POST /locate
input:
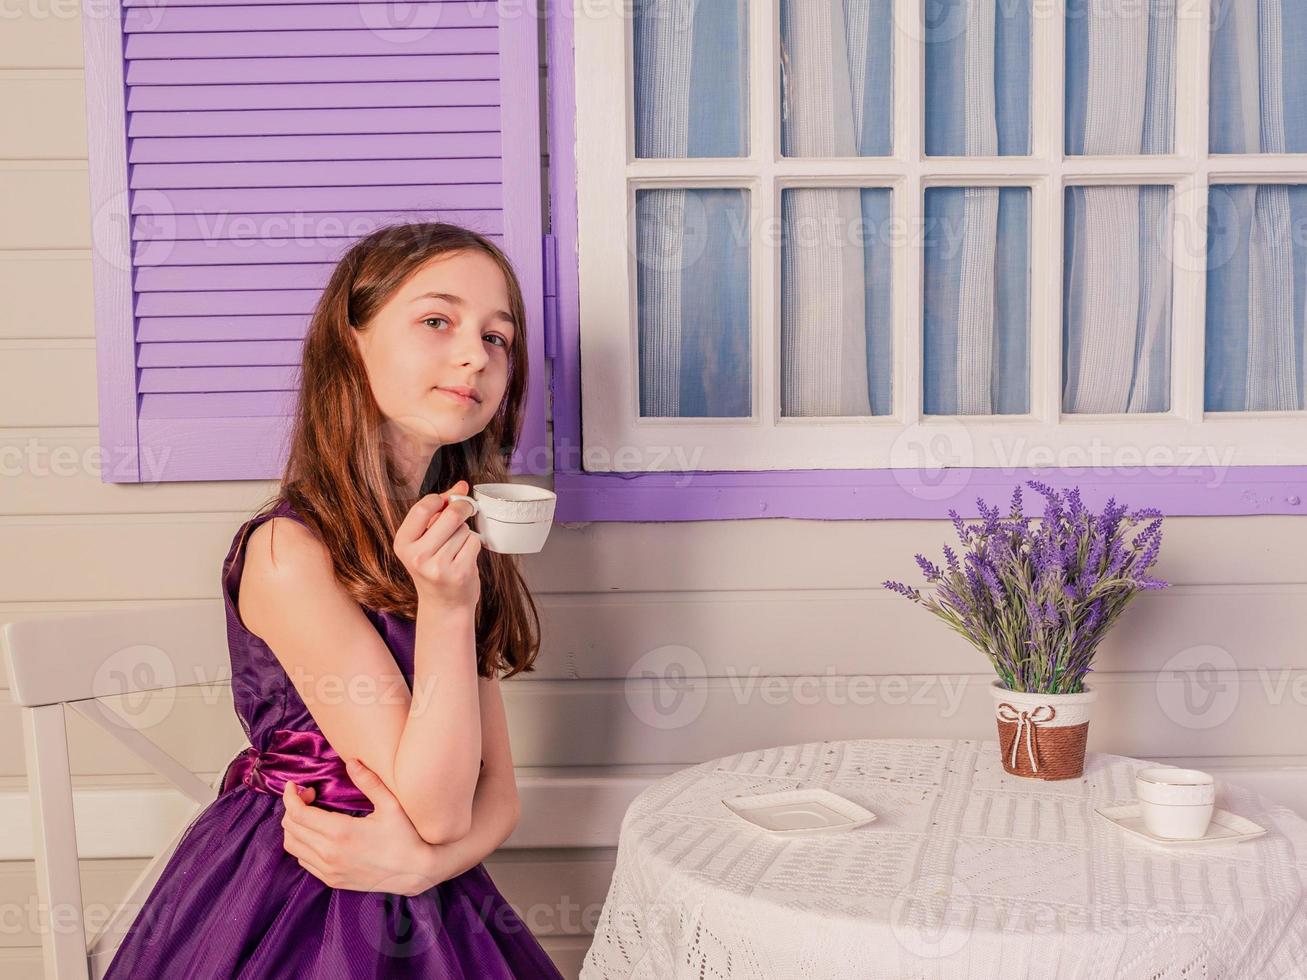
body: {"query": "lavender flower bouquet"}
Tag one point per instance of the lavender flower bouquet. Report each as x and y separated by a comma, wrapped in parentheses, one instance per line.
(1037, 603)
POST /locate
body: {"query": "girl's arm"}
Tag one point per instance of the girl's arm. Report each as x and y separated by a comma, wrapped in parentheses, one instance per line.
(437, 762)
(348, 679)
(495, 812)
(382, 852)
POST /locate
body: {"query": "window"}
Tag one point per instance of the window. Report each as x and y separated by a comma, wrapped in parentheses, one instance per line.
(870, 234)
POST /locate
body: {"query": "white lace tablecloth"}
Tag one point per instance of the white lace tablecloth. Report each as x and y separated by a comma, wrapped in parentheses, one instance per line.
(965, 873)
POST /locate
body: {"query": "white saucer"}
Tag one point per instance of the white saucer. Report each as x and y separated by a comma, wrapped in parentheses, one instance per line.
(805, 810)
(1225, 828)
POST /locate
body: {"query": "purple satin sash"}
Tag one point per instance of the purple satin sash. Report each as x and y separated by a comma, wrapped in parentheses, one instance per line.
(304, 758)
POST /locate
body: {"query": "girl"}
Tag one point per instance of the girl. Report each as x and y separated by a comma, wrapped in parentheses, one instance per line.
(367, 632)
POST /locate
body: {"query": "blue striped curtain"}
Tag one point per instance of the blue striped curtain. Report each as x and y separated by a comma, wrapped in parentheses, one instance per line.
(1257, 234)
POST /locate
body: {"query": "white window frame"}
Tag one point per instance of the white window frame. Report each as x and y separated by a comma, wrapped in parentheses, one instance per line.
(617, 439)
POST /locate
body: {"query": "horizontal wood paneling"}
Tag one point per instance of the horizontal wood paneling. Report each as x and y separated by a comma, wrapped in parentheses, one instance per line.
(28, 280)
(47, 383)
(50, 471)
(681, 721)
(45, 204)
(42, 35)
(42, 114)
(597, 558)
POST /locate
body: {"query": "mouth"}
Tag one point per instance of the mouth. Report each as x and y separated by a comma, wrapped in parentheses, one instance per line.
(461, 395)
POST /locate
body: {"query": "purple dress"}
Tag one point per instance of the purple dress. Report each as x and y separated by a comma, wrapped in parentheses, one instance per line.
(233, 904)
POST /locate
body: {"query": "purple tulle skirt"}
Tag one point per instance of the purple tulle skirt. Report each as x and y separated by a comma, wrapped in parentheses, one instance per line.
(233, 904)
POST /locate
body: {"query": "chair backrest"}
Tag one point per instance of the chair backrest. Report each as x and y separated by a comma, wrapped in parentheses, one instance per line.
(68, 662)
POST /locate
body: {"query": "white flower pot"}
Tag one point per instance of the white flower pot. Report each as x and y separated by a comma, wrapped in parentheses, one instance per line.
(1042, 736)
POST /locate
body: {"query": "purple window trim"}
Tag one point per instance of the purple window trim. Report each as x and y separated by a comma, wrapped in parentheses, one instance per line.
(252, 447)
(819, 494)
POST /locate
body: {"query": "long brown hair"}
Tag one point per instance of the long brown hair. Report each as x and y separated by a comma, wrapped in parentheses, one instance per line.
(343, 483)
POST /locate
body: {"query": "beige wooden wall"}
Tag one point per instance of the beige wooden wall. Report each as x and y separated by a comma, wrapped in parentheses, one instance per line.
(773, 616)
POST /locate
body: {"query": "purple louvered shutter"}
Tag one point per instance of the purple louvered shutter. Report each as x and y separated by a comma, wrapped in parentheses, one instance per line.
(256, 143)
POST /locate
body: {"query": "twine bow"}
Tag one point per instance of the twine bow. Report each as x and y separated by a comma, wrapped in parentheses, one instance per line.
(1026, 720)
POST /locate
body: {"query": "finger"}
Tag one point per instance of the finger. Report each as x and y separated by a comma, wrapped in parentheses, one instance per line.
(451, 519)
(369, 783)
(419, 517)
(467, 555)
(325, 823)
(291, 797)
(306, 843)
(448, 549)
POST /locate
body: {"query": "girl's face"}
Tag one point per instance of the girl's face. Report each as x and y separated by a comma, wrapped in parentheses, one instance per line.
(447, 327)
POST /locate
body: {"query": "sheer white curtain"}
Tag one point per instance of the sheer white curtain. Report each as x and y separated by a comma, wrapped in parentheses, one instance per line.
(1256, 295)
(823, 285)
(691, 95)
(1117, 315)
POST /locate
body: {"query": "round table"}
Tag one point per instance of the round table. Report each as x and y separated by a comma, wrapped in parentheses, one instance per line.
(966, 872)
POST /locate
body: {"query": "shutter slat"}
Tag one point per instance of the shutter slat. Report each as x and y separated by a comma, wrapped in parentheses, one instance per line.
(224, 404)
(129, 4)
(164, 328)
(384, 41)
(271, 251)
(220, 354)
(312, 122)
(321, 95)
(397, 68)
(249, 149)
(168, 279)
(217, 379)
(312, 15)
(278, 302)
(425, 197)
(241, 227)
(311, 173)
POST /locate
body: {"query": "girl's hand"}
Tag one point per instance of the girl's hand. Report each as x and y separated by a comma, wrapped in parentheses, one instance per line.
(440, 551)
(379, 852)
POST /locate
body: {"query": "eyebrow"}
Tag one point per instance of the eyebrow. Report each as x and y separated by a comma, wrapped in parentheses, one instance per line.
(458, 301)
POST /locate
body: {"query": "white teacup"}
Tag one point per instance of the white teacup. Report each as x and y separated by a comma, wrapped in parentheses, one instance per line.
(512, 518)
(1176, 803)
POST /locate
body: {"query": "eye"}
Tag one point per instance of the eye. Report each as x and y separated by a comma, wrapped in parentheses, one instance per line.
(502, 342)
(430, 318)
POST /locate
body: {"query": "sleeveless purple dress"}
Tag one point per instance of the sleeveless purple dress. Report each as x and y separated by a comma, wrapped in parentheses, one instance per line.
(233, 904)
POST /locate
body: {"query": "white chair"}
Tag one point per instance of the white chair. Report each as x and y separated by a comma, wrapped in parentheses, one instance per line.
(69, 662)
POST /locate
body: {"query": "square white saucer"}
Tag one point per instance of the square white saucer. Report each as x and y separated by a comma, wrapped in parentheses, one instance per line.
(1225, 828)
(804, 810)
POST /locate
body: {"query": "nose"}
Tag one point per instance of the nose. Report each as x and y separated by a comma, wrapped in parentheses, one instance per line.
(470, 349)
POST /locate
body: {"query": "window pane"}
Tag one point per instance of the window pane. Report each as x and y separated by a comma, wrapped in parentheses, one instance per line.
(692, 286)
(691, 78)
(1256, 296)
(977, 78)
(836, 308)
(976, 349)
(1120, 76)
(1116, 314)
(837, 78)
(1259, 55)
